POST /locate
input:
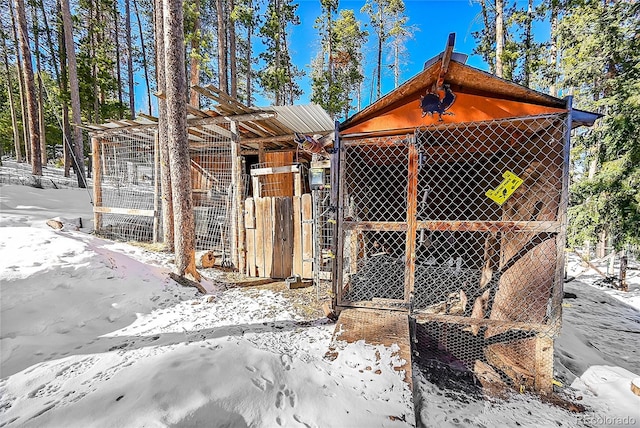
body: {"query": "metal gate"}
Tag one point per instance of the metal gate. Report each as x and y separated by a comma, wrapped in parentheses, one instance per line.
(456, 222)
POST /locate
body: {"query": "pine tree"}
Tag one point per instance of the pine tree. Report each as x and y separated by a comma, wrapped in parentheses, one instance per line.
(601, 53)
(383, 16)
(336, 72)
(70, 51)
(30, 90)
(278, 77)
(246, 16)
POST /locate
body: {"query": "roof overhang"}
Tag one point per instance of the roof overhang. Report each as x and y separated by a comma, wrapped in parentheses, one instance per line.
(480, 96)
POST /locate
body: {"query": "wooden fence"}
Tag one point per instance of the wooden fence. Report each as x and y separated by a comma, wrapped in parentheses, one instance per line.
(279, 233)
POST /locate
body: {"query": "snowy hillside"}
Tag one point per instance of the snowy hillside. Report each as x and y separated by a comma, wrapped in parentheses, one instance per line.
(93, 333)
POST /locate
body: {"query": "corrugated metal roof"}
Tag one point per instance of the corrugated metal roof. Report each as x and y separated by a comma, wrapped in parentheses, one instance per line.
(310, 118)
(274, 131)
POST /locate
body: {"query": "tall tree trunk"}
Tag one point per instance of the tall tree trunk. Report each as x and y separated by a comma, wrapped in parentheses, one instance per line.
(553, 48)
(78, 144)
(487, 26)
(132, 95)
(179, 160)
(41, 120)
(165, 172)
(379, 60)
(249, 60)
(30, 89)
(526, 66)
(145, 63)
(396, 64)
(53, 61)
(232, 52)
(222, 47)
(499, 37)
(12, 108)
(194, 68)
(116, 14)
(21, 86)
(67, 146)
(95, 42)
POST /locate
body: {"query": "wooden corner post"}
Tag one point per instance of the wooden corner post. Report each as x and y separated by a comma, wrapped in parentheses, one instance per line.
(97, 182)
(412, 213)
(156, 187)
(238, 251)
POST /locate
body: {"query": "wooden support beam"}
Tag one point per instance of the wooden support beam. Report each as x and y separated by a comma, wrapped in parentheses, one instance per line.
(481, 322)
(125, 211)
(148, 117)
(156, 188)
(550, 227)
(446, 59)
(412, 210)
(273, 139)
(275, 170)
(235, 207)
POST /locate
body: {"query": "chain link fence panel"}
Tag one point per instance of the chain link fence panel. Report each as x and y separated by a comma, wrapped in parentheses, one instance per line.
(464, 226)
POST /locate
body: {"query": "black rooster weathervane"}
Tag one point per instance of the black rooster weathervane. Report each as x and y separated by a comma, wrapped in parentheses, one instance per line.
(433, 102)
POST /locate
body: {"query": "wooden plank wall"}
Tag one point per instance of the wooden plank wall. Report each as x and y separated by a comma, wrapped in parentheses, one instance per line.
(277, 184)
(279, 236)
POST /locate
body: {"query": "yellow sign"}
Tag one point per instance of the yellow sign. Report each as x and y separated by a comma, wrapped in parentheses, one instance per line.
(509, 185)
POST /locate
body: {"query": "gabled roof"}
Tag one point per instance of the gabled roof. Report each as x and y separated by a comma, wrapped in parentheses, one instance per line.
(479, 96)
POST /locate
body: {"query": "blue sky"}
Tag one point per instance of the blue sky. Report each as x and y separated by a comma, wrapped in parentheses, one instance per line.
(435, 19)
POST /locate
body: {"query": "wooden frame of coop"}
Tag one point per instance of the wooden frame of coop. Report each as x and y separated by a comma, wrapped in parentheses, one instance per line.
(451, 195)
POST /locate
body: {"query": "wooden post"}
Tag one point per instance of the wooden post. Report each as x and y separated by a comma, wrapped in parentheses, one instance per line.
(237, 219)
(156, 187)
(255, 183)
(250, 232)
(412, 209)
(97, 183)
(337, 195)
(297, 236)
(242, 233)
(306, 208)
(543, 382)
(297, 184)
(557, 292)
(623, 272)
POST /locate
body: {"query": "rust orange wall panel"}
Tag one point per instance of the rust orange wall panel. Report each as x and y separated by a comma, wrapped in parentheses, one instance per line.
(466, 108)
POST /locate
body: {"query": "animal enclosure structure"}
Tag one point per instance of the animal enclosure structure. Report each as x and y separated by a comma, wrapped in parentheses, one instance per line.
(127, 185)
(451, 196)
(248, 181)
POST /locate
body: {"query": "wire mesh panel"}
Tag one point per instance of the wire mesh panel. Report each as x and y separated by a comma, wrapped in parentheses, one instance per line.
(323, 220)
(374, 183)
(489, 246)
(213, 193)
(130, 191)
(127, 186)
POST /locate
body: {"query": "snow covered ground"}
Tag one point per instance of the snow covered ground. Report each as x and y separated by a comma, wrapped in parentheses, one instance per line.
(93, 333)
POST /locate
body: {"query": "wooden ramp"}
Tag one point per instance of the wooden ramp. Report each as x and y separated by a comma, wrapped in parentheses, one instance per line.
(376, 327)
